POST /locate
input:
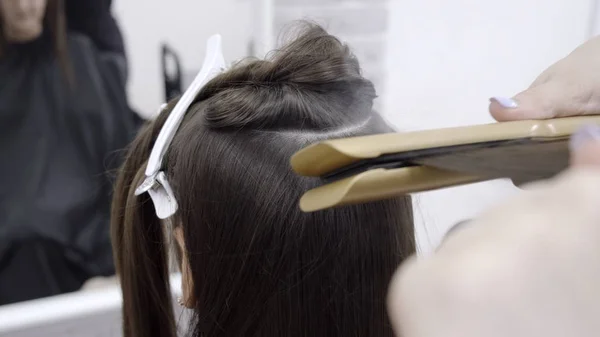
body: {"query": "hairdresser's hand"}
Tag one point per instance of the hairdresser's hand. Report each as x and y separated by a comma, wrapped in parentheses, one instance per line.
(570, 87)
(530, 267)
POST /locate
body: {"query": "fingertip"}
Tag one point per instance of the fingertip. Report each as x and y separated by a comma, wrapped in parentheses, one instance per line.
(505, 102)
(498, 112)
(587, 155)
(493, 109)
(523, 112)
(585, 146)
(538, 102)
(501, 113)
(505, 109)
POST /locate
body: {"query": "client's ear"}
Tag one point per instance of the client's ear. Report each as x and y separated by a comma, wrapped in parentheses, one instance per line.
(187, 283)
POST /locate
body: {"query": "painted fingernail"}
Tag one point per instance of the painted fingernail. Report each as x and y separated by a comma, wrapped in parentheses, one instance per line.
(506, 102)
(585, 134)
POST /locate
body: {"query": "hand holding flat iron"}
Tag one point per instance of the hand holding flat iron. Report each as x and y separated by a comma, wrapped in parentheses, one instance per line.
(570, 87)
(530, 267)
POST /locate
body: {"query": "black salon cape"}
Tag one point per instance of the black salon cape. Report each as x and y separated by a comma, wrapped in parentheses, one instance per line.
(60, 146)
(93, 18)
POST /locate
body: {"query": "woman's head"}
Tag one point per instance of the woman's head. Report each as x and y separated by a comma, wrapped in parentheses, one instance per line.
(253, 263)
(22, 20)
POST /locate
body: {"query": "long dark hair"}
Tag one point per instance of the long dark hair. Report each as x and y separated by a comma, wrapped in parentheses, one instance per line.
(261, 267)
(56, 24)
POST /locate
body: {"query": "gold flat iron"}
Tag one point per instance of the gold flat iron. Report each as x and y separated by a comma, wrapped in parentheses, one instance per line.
(369, 168)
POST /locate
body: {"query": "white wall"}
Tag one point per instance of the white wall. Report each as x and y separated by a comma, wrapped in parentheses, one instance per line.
(445, 58)
(183, 24)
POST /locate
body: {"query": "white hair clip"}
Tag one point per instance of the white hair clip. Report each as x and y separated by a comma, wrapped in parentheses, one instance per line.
(156, 183)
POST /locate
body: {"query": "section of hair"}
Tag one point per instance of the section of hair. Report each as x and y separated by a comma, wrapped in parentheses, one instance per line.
(139, 247)
(297, 87)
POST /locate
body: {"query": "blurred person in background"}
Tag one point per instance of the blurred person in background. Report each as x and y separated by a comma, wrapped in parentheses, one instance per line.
(64, 118)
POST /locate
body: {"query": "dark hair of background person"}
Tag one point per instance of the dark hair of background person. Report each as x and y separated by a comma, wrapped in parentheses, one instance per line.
(55, 26)
(260, 266)
(94, 19)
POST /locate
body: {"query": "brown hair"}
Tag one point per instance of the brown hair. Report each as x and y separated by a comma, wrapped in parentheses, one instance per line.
(260, 266)
(56, 24)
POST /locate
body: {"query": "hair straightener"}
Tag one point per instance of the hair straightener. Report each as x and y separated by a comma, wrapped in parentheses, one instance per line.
(369, 168)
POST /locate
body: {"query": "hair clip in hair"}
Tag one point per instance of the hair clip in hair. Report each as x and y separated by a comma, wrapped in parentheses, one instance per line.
(161, 193)
(148, 184)
(156, 183)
